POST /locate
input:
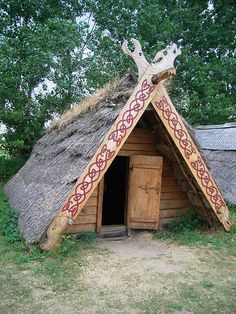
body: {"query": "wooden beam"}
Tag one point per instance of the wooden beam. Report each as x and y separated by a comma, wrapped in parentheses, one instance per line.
(174, 203)
(188, 150)
(100, 205)
(173, 213)
(157, 78)
(80, 228)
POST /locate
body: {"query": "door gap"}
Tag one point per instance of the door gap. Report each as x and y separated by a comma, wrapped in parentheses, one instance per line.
(115, 192)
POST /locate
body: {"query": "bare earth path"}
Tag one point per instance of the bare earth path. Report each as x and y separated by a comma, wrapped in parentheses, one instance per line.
(134, 275)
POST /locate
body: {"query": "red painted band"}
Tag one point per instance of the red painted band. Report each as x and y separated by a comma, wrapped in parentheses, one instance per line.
(95, 171)
(187, 146)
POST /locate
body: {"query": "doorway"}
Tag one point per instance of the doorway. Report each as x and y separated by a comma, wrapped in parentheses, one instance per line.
(115, 192)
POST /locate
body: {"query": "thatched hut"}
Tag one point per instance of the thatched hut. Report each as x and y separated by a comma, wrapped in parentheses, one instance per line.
(148, 171)
(218, 144)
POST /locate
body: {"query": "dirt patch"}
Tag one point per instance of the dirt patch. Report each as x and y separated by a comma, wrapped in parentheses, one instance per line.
(142, 248)
(134, 247)
(40, 293)
(135, 276)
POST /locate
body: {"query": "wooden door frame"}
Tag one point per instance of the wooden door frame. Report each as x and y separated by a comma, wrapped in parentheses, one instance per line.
(101, 195)
(100, 205)
(126, 190)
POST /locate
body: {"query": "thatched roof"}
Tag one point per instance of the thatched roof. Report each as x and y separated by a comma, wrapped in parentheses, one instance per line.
(39, 189)
(218, 143)
(217, 137)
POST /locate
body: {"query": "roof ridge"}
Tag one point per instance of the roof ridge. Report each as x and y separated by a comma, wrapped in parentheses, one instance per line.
(216, 126)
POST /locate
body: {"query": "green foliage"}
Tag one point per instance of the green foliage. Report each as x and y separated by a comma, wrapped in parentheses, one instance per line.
(9, 166)
(191, 230)
(55, 52)
(8, 221)
(203, 89)
(87, 237)
(56, 266)
(191, 221)
(232, 212)
(41, 52)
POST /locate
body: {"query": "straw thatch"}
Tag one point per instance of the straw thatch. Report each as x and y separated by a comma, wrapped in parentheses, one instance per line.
(39, 189)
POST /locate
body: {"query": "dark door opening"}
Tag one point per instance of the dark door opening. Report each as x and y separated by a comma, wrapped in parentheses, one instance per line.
(115, 192)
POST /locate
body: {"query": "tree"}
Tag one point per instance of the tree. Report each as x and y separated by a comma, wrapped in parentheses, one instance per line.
(42, 57)
(53, 52)
(203, 89)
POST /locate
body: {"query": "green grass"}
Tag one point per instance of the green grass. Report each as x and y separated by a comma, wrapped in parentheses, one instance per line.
(20, 264)
(191, 230)
(80, 278)
(191, 297)
(56, 266)
(25, 270)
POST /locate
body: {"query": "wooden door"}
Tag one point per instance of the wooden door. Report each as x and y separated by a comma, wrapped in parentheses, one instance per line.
(144, 192)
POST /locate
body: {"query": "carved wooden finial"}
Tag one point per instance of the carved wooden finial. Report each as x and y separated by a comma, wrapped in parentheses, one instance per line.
(161, 67)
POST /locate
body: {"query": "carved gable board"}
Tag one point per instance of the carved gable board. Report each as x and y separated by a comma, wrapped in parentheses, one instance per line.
(185, 144)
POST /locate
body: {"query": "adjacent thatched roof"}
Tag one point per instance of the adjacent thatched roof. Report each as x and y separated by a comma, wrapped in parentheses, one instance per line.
(218, 144)
(217, 137)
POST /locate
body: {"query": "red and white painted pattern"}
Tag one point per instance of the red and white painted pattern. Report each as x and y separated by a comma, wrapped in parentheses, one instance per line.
(129, 116)
(107, 152)
(188, 148)
(93, 175)
(210, 187)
